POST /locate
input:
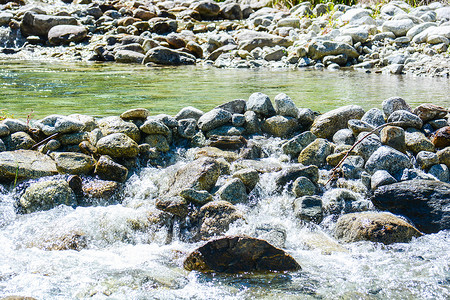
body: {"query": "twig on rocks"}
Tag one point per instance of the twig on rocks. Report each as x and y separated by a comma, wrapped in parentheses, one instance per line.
(337, 169)
(45, 140)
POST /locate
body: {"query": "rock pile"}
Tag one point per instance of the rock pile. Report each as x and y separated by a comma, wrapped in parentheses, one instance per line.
(394, 38)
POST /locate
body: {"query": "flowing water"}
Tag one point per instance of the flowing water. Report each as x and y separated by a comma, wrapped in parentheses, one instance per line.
(126, 255)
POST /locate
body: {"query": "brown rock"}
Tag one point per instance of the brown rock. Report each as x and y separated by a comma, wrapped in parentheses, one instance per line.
(429, 112)
(101, 189)
(441, 138)
(239, 254)
(216, 217)
(394, 137)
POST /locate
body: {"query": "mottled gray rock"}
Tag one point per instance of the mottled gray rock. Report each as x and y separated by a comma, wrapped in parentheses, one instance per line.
(426, 159)
(353, 15)
(344, 137)
(238, 120)
(358, 126)
(444, 156)
(115, 124)
(15, 125)
(175, 205)
(38, 24)
(326, 125)
(416, 141)
(107, 169)
(441, 172)
(65, 34)
(72, 138)
(18, 140)
(117, 145)
(419, 28)
(213, 119)
(46, 195)
(249, 176)
(158, 141)
(380, 227)
(315, 153)
(4, 130)
(302, 186)
(216, 217)
(279, 126)
(337, 201)
(187, 128)
(389, 159)
(260, 104)
(252, 123)
(309, 208)
(233, 191)
(285, 106)
(25, 164)
(358, 34)
(320, 49)
(288, 175)
(368, 145)
(249, 40)
(424, 202)
(166, 56)
(374, 117)
(231, 11)
(189, 112)
(135, 113)
(207, 9)
(381, 177)
(73, 163)
(58, 123)
(155, 127)
(398, 27)
(393, 104)
(296, 144)
(196, 197)
(129, 57)
(225, 130)
(405, 119)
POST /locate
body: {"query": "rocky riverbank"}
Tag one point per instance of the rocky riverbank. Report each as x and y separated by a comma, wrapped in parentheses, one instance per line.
(394, 38)
(342, 165)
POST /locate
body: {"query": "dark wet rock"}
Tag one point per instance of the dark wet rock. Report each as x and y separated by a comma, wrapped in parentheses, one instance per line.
(46, 195)
(309, 208)
(340, 200)
(216, 217)
(196, 197)
(136, 113)
(231, 11)
(117, 145)
(158, 141)
(108, 169)
(65, 34)
(381, 177)
(237, 254)
(290, 174)
(37, 24)
(441, 138)
(302, 186)
(233, 191)
(326, 125)
(201, 174)
(129, 57)
(207, 9)
(315, 153)
(73, 163)
(227, 142)
(394, 137)
(444, 156)
(393, 104)
(225, 130)
(320, 49)
(389, 159)
(380, 227)
(19, 140)
(166, 56)
(58, 124)
(175, 205)
(72, 138)
(162, 25)
(252, 123)
(424, 202)
(405, 119)
(115, 124)
(25, 164)
(4, 130)
(428, 112)
(2, 146)
(441, 172)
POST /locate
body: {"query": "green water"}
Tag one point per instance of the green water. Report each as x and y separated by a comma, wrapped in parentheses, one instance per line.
(109, 89)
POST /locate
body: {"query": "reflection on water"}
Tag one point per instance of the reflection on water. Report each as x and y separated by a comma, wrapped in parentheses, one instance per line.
(110, 89)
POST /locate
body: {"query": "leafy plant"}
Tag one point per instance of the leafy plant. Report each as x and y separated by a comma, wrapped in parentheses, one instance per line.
(4, 115)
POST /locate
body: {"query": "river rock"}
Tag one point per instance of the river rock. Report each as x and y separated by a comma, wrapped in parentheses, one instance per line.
(166, 56)
(101, 189)
(4, 130)
(393, 104)
(216, 217)
(428, 112)
(341, 200)
(18, 140)
(315, 153)
(405, 119)
(25, 164)
(207, 9)
(155, 127)
(227, 142)
(426, 159)
(46, 195)
(213, 119)
(231, 11)
(374, 117)
(117, 145)
(15, 125)
(398, 27)
(58, 124)
(214, 152)
(296, 144)
(291, 173)
(175, 205)
(249, 176)
(368, 145)
(320, 49)
(358, 126)
(424, 202)
(189, 112)
(441, 138)
(326, 125)
(200, 174)
(37, 24)
(196, 197)
(107, 169)
(389, 159)
(158, 141)
(236, 254)
(416, 141)
(380, 227)
(441, 172)
(2, 146)
(236, 106)
(344, 137)
(285, 106)
(187, 128)
(260, 104)
(249, 40)
(444, 156)
(115, 124)
(65, 34)
(381, 177)
(302, 186)
(135, 113)
(233, 191)
(279, 126)
(309, 208)
(73, 163)
(394, 137)
(129, 57)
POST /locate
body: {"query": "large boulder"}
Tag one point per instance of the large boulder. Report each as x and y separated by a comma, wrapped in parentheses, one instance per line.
(25, 164)
(59, 124)
(326, 125)
(389, 159)
(65, 34)
(166, 56)
(320, 49)
(46, 195)
(378, 227)
(426, 203)
(36, 24)
(239, 254)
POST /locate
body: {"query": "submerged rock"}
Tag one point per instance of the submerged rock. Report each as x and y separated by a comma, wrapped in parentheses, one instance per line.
(239, 254)
(375, 227)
